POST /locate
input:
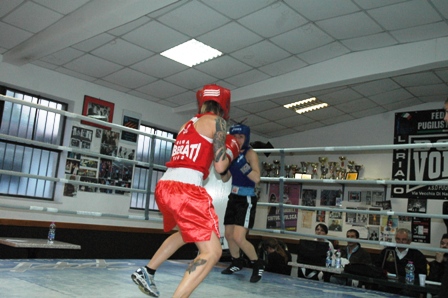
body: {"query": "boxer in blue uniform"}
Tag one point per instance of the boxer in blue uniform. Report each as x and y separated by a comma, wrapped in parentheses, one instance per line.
(240, 210)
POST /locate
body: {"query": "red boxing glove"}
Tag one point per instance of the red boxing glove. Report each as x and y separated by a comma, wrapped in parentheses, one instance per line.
(232, 147)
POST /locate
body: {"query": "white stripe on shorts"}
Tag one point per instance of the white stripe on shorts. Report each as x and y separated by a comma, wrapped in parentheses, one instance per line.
(247, 218)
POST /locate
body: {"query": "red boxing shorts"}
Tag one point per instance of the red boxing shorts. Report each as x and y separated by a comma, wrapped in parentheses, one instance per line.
(188, 206)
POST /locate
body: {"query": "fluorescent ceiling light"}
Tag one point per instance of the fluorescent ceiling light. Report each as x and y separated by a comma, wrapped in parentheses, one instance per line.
(191, 53)
(306, 105)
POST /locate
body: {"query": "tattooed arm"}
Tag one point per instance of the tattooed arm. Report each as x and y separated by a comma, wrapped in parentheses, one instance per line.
(221, 162)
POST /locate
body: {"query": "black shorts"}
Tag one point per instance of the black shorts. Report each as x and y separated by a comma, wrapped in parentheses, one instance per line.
(240, 211)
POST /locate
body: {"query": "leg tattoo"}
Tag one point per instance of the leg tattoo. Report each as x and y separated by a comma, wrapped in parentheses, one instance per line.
(194, 264)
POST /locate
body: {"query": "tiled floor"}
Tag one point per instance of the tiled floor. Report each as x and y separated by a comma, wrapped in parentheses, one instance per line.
(111, 278)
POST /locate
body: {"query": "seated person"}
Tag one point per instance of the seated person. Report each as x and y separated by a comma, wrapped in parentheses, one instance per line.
(276, 256)
(354, 254)
(403, 255)
(437, 267)
(320, 229)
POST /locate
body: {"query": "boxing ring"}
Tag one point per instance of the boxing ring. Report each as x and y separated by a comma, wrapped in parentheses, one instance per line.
(98, 278)
(111, 278)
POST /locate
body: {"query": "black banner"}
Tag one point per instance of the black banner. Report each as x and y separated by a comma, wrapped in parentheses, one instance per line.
(429, 164)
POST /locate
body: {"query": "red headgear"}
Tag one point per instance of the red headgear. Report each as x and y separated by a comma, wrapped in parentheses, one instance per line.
(216, 93)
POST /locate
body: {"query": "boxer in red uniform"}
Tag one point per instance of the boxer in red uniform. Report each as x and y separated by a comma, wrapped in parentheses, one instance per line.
(180, 194)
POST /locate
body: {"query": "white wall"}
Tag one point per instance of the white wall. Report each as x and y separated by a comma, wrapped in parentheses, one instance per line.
(373, 130)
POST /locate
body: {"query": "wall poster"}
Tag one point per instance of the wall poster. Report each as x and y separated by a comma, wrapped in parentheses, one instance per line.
(429, 164)
(290, 196)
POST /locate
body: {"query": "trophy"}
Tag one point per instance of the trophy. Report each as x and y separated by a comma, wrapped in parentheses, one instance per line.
(294, 170)
(332, 165)
(304, 168)
(267, 168)
(342, 159)
(287, 169)
(323, 168)
(351, 166)
(276, 168)
(314, 166)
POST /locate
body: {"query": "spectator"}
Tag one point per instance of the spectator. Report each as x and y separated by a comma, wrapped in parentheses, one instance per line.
(401, 258)
(276, 256)
(355, 254)
(437, 267)
(320, 229)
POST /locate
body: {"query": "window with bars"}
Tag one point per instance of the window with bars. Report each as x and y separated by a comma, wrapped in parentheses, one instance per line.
(30, 123)
(162, 154)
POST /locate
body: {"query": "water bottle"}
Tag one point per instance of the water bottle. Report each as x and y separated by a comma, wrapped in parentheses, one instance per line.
(328, 260)
(51, 232)
(338, 259)
(410, 273)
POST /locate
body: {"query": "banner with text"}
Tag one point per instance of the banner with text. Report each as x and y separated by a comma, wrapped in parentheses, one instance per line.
(429, 164)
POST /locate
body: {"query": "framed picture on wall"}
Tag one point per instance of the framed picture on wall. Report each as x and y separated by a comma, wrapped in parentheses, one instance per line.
(354, 196)
(96, 108)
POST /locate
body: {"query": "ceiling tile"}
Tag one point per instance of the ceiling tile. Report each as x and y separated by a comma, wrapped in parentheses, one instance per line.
(122, 52)
(400, 104)
(155, 37)
(128, 27)
(63, 56)
(63, 7)
(235, 9)
(442, 6)
(324, 113)
(429, 90)
(375, 87)
(355, 105)
(193, 19)
(92, 66)
(318, 10)
(295, 120)
(129, 78)
(302, 39)
(247, 78)
(253, 120)
(391, 96)
(229, 38)
(94, 42)
(277, 113)
(75, 74)
(324, 53)
(368, 42)
(159, 66)
(283, 66)
(183, 98)
(260, 54)
(267, 128)
(369, 112)
(11, 36)
(338, 119)
(368, 4)
(257, 107)
(161, 89)
(112, 86)
(417, 79)
(424, 32)
(407, 14)
(273, 20)
(339, 96)
(191, 79)
(32, 17)
(343, 27)
(8, 6)
(223, 67)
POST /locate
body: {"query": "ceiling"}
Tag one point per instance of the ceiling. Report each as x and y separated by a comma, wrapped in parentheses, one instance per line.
(362, 57)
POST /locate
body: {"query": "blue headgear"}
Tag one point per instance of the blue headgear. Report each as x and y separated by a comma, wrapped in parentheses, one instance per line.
(243, 130)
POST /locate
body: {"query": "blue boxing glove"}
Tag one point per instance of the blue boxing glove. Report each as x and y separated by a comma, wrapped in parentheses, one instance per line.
(242, 164)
